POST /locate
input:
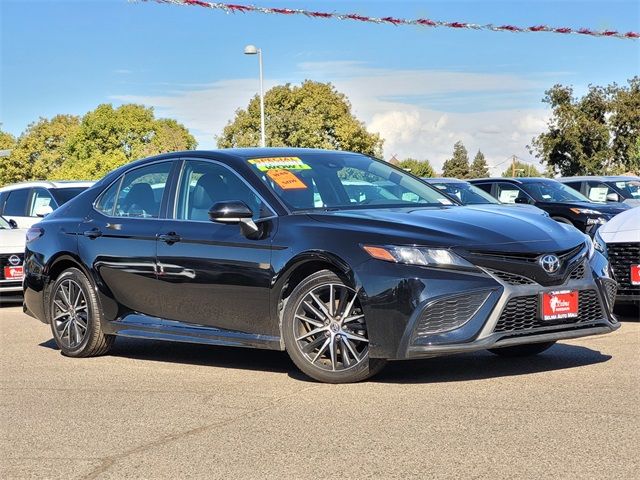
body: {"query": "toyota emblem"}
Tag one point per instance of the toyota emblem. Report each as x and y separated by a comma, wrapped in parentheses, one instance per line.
(550, 263)
(14, 260)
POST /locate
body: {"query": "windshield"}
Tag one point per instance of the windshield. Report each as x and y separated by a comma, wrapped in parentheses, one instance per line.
(4, 225)
(342, 181)
(63, 195)
(466, 193)
(553, 192)
(628, 188)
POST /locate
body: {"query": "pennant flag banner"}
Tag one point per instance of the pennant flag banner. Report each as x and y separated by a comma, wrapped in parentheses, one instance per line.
(422, 22)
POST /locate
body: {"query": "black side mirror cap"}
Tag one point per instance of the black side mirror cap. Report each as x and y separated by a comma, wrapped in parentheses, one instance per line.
(13, 223)
(233, 211)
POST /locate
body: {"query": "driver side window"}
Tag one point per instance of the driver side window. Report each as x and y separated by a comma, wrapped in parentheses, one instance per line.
(507, 193)
(203, 184)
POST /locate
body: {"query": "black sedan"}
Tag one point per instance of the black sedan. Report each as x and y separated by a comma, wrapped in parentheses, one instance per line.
(266, 248)
(562, 203)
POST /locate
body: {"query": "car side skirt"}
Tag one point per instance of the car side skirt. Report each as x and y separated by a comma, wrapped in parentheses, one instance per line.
(154, 328)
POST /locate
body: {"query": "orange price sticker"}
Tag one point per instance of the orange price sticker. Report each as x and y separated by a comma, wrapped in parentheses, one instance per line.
(286, 180)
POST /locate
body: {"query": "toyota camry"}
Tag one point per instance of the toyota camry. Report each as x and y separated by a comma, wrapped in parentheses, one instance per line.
(275, 249)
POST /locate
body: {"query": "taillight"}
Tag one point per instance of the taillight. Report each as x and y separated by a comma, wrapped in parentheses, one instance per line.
(33, 233)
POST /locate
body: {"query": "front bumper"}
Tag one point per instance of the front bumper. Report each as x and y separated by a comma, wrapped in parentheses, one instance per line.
(434, 312)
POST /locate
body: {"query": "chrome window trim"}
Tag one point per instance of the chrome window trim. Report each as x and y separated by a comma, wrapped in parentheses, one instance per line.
(174, 213)
(121, 178)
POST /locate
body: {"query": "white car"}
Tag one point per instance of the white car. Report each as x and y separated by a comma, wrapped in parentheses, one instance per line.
(28, 202)
(12, 242)
(619, 239)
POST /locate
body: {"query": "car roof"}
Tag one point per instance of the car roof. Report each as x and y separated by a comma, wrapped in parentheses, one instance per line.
(48, 184)
(443, 180)
(602, 178)
(518, 180)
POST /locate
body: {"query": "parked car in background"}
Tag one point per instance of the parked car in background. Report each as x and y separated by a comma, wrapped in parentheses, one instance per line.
(12, 241)
(465, 193)
(272, 248)
(619, 240)
(28, 202)
(607, 189)
(562, 203)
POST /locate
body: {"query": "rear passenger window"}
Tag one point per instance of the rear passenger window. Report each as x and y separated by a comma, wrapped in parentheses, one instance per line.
(138, 194)
(508, 193)
(16, 203)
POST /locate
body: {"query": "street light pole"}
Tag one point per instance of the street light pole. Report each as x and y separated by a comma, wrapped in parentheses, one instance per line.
(253, 50)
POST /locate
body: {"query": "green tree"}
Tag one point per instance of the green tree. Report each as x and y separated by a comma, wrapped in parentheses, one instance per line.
(458, 165)
(312, 115)
(419, 168)
(40, 149)
(594, 134)
(109, 137)
(7, 141)
(522, 169)
(479, 167)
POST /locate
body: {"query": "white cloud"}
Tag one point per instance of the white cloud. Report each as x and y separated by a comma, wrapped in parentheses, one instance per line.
(419, 113)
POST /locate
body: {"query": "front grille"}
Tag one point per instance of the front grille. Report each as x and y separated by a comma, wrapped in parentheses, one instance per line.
(611, 289)
(4, 262)
(578, 272)
(528, 257)
(521, 313)
(621, 257)
(511, 278)
(449, 314)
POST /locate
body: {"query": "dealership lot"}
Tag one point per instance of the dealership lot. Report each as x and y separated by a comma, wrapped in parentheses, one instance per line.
(162, 410)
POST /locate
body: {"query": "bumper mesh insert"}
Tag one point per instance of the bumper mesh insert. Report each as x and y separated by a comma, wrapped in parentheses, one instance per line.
(449, 314)
(521, 313)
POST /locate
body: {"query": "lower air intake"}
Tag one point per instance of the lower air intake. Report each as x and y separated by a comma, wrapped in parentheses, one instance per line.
(449, 314)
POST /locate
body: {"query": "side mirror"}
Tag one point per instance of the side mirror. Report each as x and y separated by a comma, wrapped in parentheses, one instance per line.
(613, 197)
(522, 200)
(43, 211)
(234, 212)
(13, 223)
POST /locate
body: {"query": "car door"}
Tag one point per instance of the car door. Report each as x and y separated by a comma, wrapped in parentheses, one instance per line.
(15, 207)
(211, 273)
(118, 239)
(510, 193)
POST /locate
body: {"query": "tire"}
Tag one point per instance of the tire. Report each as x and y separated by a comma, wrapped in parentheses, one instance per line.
(522, 350)
(75, 316)
(563, 220)
(328, 344)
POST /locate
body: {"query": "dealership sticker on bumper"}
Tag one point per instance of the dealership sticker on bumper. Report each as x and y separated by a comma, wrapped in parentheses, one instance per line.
(635, 274)
(559, 305)
(13, 273)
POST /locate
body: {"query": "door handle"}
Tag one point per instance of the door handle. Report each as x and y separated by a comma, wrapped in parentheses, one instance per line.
(93, 233)
(171, 237)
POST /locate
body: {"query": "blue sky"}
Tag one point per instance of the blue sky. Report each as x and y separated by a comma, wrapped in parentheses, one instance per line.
(422, 89)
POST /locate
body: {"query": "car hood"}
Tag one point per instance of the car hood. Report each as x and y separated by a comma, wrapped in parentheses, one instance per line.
(516, 206)
(477, 227)
(624, 227)
(12, 241)
(604, 208)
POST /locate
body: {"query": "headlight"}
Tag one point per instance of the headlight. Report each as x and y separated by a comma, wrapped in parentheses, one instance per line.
(599, 244)
(417, 256)
(585, 211)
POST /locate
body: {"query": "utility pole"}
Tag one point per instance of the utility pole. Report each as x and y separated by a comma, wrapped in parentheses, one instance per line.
(513, 166)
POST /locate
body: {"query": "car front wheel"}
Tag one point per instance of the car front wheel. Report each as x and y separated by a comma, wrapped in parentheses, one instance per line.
(325, 331)
(75, 317)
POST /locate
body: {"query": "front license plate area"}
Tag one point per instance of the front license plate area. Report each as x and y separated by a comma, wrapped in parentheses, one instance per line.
(635, 274)
(13, 273)
(560, 305)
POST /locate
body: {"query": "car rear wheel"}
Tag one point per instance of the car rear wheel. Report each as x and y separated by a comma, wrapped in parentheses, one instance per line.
(522, 350)
(325, 331)
(75, 318)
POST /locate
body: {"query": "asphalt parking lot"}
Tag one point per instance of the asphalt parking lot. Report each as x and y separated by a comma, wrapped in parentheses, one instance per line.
(162, 410)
